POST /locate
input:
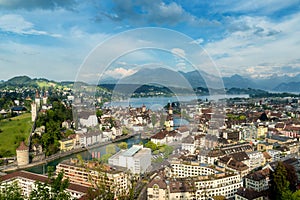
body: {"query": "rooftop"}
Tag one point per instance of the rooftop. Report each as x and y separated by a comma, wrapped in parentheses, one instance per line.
(40, 178)
(133, 150)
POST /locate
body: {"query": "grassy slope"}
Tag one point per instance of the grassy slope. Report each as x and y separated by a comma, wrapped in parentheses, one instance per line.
(45, 84)
(12, 131)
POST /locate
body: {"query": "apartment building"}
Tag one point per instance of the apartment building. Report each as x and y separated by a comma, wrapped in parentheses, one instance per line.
(94, 174)
(203, 181)
(190, 169)
(258, 181)
(26, 181)
(256, 159)
(157, 189)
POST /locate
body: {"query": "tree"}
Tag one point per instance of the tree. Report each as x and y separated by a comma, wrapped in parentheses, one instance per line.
(102, 190)
(280, 182)
(99, 113)
(123, 145)
(153, 119)
(11, 192)
(125, 131)
(105, 157)
(54, 189)
(110, 149)
(151, 145)
(291, 176)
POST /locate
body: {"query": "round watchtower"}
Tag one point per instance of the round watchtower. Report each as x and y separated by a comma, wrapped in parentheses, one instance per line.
(22, 154)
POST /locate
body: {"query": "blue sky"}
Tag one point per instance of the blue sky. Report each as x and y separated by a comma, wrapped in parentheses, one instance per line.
(51, 38)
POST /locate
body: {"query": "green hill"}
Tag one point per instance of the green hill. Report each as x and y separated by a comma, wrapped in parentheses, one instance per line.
(12, 132)
(20, 81)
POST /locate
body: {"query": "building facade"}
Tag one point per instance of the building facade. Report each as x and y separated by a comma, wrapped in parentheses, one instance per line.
(27, 180)
(137, 159)
(93, 174)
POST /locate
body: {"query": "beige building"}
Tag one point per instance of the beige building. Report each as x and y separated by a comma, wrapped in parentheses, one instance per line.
(157, 189)
(67, 144)
(92, 174)
(262, 131)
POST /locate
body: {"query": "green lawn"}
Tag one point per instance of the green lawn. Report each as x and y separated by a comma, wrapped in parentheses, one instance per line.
(12, 132)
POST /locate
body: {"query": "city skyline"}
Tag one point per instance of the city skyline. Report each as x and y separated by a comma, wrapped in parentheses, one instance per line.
(51, 39)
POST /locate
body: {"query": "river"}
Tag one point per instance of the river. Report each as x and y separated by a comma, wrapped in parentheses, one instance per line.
(86, 155)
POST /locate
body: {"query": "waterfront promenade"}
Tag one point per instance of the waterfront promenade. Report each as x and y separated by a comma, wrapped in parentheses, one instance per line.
(15, 167)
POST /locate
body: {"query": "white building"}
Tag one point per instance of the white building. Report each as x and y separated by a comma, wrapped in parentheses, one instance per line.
(188, 144)
(275, 154)
(90, 121)
(257, 159)
(196, 181)
(137, 159)
(90, 138)
(26, 181)
(186, 170)
(258, 181)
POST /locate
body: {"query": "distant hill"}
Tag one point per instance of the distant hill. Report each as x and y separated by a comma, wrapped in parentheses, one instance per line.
(157, 76)
(237, 81)
(25, 81)
(288, 87)
(20, 81)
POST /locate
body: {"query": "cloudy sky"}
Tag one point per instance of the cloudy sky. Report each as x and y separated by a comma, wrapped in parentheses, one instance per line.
(52, 38)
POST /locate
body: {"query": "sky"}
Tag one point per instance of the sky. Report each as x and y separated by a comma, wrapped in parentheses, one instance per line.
(53, 38)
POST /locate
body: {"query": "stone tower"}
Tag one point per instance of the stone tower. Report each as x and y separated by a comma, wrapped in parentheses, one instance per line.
(37, 99)
(45, 98)
(170, 110)
(33, 111)
(22, 154)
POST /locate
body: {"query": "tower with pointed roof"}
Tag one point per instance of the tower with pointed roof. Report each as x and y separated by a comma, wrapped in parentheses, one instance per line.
(22, 154)
(45, 98)
(37, 99)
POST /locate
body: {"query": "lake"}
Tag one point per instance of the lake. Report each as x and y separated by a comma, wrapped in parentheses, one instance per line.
(157, 103)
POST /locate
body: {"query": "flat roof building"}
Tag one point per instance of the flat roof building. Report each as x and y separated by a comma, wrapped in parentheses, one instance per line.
(137, 159)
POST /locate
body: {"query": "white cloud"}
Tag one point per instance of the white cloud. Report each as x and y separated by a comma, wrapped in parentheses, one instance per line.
(256, 6)
(249, 48)
(178, 52)
(18, 25)
(120, 72)
(198, 41)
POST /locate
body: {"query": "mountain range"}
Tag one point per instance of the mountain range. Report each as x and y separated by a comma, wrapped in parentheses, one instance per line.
(195, 79)
(168, 78)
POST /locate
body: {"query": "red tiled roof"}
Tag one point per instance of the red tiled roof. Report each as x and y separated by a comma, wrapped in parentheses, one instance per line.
(22, 147)
(160, 135)
(266, 155)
